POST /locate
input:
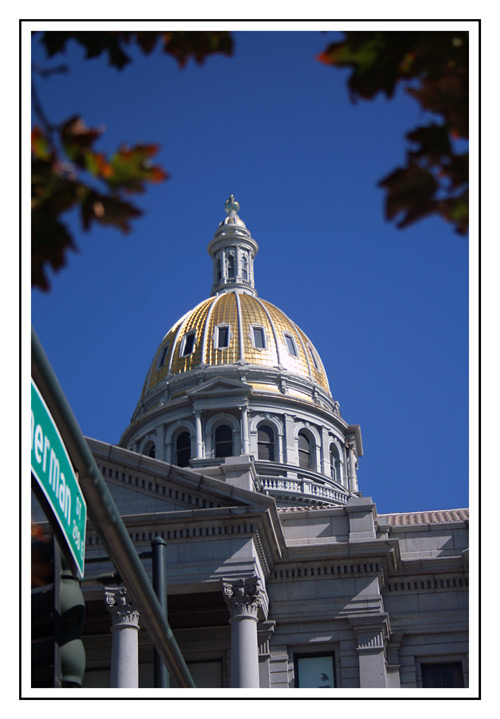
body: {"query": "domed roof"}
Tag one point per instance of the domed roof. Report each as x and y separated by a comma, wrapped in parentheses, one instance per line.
(236, 328)
(233, 327)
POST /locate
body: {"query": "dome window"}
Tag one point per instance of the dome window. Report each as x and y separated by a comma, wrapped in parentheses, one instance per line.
(188, 343)
(222, 336)
(230, 267)
(258, 337)
(304, 452)
(290, 344)
(183, 449)
(265, 443)
(163, 356)
(314, 358)
(223, 441)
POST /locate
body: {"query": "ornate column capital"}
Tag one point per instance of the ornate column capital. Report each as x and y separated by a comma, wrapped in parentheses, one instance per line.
(243, 596)
(120, 606)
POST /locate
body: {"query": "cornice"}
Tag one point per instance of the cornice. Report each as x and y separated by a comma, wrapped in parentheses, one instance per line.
(184, 526)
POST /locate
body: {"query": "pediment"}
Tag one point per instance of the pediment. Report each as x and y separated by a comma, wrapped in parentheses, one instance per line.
(141, 484)
(220, 387)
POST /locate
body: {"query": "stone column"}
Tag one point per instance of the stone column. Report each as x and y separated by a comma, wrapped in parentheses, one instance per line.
(243, 598)
(198, 436)
(351, 458)
(245, 448)
(124, 640)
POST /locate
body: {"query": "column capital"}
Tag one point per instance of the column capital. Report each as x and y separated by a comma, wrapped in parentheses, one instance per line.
(372, 632)
(243, 596)
(120, 606)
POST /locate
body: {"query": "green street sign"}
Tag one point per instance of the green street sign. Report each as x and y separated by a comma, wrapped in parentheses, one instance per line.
(52, 469)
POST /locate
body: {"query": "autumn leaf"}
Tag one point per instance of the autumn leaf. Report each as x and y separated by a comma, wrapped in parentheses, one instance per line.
(433, 67)
(130, 168)
(107, 211)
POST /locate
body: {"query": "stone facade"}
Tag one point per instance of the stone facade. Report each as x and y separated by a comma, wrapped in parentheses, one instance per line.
(280, 574)
(378, 596)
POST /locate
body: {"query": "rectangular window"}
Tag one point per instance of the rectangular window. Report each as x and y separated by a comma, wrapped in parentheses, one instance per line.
(188, 343)
(222, 337)
(290, 345)
(313, 355)
(259, 338)
(315, 671)
(163, 356)
(438, 675)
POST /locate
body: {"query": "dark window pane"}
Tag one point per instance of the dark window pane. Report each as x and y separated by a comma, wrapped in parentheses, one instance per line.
(304, 452)
(258, 337)
(152, 451)
(223, 441)
(188, 344)
(265, 443)
(223, 337)
(183, 450)
(163, 356)
(437, 675)
(334, 460)
(230, 267)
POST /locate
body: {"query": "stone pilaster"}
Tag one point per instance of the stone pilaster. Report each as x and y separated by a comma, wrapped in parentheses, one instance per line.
(371, 634)
(393, 666)
(125, 638)
(265, 631)
(243, 598)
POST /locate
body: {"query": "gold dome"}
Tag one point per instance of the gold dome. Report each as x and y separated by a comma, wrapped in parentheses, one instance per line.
(236, 328)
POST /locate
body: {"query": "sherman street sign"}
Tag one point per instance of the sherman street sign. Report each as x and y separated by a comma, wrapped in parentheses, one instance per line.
(54, 474)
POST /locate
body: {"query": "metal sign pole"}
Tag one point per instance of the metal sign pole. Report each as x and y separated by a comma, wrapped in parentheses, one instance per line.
(159, 547)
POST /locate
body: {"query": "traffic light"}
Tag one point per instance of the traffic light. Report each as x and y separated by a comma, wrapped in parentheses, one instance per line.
(69, 629)
(57, 616)
(44, 659)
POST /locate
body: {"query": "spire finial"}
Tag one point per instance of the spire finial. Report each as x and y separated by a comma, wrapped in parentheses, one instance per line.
(232, 205)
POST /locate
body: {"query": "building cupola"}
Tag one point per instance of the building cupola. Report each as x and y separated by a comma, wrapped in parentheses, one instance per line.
(233, 250)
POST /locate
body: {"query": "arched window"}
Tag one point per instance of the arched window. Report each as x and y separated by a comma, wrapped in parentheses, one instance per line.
(334, 461)
(265, 442)
(149, 449)
(183, 449)
(230, 267)
(244, 271)
(223, 441)
(304, 451)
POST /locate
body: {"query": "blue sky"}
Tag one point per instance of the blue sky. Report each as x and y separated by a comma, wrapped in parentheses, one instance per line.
(387, 309)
